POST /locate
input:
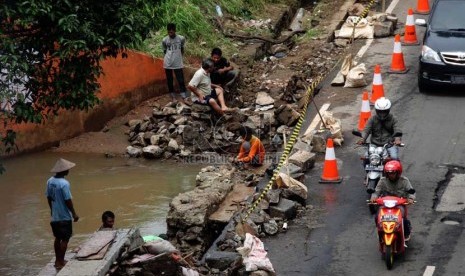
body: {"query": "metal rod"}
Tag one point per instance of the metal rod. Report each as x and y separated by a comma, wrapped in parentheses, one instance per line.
(318, 111)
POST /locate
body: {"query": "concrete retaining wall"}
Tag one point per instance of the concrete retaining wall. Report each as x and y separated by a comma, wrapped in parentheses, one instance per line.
(124, 84)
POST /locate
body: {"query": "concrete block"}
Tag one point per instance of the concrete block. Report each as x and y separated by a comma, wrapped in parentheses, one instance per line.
(273, 196)
(286, 209)
(319, 141)
(383, 29)
(303, 159)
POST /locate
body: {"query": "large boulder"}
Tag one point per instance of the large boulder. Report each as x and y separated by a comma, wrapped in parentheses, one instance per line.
(133, 151)
(152, 151)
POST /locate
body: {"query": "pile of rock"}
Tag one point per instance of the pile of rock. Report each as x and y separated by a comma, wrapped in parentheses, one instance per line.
(178, 130)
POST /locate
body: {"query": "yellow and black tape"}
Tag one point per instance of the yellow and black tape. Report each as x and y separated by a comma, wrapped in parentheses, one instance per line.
(365, 12)
(287, 149)
(296, 131)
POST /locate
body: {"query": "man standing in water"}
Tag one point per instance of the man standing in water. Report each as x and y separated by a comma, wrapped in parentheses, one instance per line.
(61, 208)
(108, 220)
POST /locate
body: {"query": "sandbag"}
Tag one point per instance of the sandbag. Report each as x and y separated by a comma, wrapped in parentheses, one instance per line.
(356, 76)
(363, 29)
(335, 127)
(254, 254)
(159, 246)
(347, 64)
(285, 181)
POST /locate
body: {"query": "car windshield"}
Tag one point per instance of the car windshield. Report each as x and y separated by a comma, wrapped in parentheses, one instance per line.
(448, 15)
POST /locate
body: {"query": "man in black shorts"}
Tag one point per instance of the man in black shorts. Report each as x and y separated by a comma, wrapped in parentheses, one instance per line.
(204, 92)
(61, 209)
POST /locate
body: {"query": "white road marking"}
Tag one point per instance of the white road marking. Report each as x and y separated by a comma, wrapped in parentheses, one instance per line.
(392, 6)
(429, 271)
(316, 120)
(364, 48)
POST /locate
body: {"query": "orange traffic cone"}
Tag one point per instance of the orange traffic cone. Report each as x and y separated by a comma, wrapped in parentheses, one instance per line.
(410, 36)
(365, 112)
(377, 90)
(330, 173)
(422, 7)
(397, 63)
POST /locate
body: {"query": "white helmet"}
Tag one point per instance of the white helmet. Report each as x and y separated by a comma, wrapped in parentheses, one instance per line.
(382, 104)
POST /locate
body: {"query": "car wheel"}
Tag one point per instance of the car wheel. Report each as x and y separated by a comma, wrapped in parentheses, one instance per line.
(422, 86)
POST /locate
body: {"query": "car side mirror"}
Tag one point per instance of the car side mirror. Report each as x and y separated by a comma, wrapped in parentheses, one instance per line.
(357, 133)
(420, 22)
(411, 191)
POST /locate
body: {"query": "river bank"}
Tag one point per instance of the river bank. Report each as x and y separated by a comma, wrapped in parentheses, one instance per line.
(279, 78)
(137, 191)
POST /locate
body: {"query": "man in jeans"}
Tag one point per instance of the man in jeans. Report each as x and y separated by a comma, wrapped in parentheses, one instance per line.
(173, 48)
(61, 208)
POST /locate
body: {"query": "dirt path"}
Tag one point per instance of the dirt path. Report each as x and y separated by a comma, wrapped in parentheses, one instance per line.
(113, 138)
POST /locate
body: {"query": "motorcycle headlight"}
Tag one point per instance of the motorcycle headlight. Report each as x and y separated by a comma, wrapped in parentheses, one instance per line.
(375, 159)
(379, 150)
(428, 54)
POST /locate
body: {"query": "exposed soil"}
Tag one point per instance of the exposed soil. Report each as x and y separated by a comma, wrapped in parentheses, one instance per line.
(304, 60)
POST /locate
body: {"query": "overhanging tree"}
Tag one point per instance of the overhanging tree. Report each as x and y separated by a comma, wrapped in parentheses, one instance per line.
(50, 53)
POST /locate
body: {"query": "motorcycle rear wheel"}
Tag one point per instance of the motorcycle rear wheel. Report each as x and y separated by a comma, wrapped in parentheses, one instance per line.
(389, 257)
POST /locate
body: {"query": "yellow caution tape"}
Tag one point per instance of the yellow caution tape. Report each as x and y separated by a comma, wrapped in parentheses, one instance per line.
(295, 133)
(364, 14)
(287, 149)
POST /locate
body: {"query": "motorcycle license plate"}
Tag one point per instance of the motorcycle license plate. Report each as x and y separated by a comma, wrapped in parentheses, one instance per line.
(374, 168)
(389, 217)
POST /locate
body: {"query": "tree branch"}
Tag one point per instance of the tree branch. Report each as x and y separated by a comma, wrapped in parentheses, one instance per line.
(272, 41)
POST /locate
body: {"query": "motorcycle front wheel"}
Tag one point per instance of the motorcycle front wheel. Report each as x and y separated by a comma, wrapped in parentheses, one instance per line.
(389, 256)
(371, 185)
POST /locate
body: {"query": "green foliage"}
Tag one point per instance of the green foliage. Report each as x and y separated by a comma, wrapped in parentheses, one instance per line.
(50, 52)
(194, 19)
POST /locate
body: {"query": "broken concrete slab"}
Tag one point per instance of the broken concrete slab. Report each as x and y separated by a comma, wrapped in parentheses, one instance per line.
(294, 170)
(301, 145)
(129, 238)
(273, 196)
(319, 141)
(383, 29)
(304, 159)
(286, 209)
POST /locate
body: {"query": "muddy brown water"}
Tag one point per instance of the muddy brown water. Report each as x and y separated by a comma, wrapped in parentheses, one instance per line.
(138, 192)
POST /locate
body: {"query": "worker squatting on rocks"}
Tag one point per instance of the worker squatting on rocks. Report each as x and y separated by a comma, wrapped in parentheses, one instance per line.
(252, 151)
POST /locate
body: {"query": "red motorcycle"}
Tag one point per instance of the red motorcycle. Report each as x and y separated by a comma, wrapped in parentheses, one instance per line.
(390, 225)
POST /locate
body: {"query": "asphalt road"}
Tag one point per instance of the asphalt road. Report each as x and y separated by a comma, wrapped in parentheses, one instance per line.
(343, 241)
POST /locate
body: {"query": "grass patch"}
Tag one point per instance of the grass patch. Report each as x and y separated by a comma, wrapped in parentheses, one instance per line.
(195, 20)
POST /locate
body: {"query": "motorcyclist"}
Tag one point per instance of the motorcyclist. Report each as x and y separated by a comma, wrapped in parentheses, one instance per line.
(382, 128)
(394, 184)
